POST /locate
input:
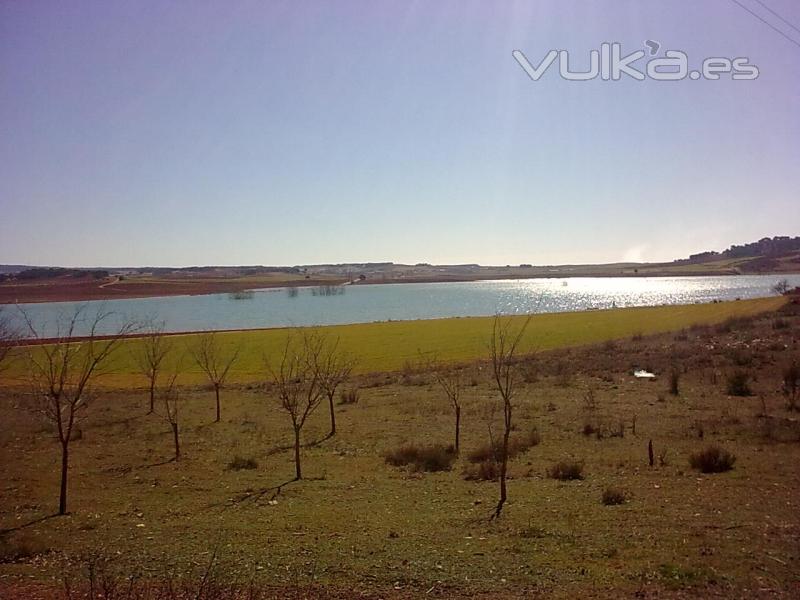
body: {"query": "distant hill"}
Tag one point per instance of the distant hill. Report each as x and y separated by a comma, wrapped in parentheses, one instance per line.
(18, 283)
(775, 254)
(49, 273)
(5, 269)
(765, 247)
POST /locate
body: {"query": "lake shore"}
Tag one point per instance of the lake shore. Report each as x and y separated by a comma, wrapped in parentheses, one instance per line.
(115, 287)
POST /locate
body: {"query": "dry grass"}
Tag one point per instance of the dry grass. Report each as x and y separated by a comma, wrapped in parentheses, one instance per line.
(366, 528)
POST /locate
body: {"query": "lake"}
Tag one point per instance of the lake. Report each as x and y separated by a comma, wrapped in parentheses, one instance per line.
(278, 307)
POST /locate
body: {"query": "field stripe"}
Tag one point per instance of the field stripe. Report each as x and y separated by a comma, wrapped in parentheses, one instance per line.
(389, 346)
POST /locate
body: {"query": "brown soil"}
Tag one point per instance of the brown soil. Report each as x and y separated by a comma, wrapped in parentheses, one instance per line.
(358, 527)
(109, 289)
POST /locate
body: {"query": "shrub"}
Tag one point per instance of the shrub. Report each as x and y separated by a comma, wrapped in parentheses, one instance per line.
(239, 463)
(402, 456)
(517, 444)
(739, 384)
(614, 496)
(348, 397)
(566, 470)
(489, 452)
(712, 460)
(422, 458)
(486, 470)
(589, 429)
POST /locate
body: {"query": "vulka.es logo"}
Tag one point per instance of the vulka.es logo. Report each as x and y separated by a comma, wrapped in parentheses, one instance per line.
(609, 64)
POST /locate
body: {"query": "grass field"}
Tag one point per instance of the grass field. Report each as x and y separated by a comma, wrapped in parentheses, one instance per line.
(714, 266)
(391, 346)
(358, 527)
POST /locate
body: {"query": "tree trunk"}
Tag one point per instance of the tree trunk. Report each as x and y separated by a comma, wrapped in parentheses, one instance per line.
(458, 427)
(216, 391)
(503, 468)
(504, 460)
(333, 416)
(177, 443)
(152, 396)
(62, 500)
(298, 472)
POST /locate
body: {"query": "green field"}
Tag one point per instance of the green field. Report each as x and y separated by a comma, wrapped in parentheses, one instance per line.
(391, 346)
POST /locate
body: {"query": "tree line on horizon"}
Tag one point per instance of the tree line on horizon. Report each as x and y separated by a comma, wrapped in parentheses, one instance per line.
(766, 247)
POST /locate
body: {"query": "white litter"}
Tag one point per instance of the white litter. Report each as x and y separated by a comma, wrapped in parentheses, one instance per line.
(642, 374)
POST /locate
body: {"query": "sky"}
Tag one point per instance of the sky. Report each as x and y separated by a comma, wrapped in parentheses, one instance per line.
(283, 133)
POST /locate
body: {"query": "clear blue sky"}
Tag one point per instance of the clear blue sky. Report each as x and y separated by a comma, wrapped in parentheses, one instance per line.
(184, 133)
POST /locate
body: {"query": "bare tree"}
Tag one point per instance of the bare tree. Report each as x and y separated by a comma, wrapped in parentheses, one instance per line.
(212, 360)
(170, 395)
(781, 287)
(154, 348)
(298, 384)
(62, 371)
(450, 382)
(8, 339)
(333, 368)
(503, 347)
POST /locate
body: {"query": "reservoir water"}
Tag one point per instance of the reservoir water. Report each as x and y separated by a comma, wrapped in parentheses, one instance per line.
(280, 307)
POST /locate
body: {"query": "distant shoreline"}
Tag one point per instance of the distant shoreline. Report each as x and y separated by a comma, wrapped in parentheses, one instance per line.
(113, 288)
